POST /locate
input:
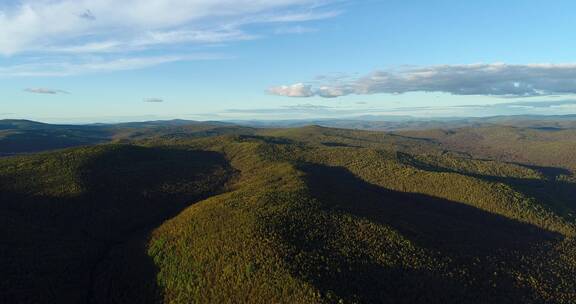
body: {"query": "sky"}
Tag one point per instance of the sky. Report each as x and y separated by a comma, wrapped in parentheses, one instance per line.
(81, 61)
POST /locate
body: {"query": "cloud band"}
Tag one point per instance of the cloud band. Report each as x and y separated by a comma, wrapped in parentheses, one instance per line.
(497, 79)
(45, 91)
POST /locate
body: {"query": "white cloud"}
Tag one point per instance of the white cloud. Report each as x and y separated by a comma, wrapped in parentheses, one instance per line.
(153, 39)
(95, 65)
(475, 79)
(92, 32)
(36, 25)
(45, 91)
(295, 90)
(334, 91)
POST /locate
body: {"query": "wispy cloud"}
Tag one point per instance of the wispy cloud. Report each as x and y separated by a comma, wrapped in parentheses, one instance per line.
(536, 104)
(110, 29)
(295, 30)
(505, 108)
(154, 100)
(45, 91)
(293, 109)
(152, 39)
(60, 67)
(498, 79)
(312, 111)
(88, 15)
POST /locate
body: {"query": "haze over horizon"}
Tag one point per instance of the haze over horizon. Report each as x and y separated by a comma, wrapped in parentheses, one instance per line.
(102, 61)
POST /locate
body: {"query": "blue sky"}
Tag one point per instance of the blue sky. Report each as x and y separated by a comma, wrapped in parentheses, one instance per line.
(97, 60)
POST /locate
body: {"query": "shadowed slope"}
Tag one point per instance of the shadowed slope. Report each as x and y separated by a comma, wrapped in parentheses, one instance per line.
(552, 187)
(362, 243)
(75, 223)
(433, 222)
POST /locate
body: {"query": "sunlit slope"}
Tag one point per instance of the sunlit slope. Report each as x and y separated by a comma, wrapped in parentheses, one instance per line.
(547, 147)
(554, 187)
(307, 221)
(74, 223)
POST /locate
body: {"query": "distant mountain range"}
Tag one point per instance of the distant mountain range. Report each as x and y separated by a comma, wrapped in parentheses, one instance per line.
(389, 123)
(25, 136)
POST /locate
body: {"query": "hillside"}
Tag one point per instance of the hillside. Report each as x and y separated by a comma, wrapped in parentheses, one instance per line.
(403, 123)
(24, 136)
(307, 215)
(542, 146)
(67, 218)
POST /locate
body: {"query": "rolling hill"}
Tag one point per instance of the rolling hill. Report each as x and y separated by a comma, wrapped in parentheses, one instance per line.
(402, 123)
(24, 136)
(305, 215)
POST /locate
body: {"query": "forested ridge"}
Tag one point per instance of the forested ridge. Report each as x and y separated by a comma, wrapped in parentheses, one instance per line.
(306, 215)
